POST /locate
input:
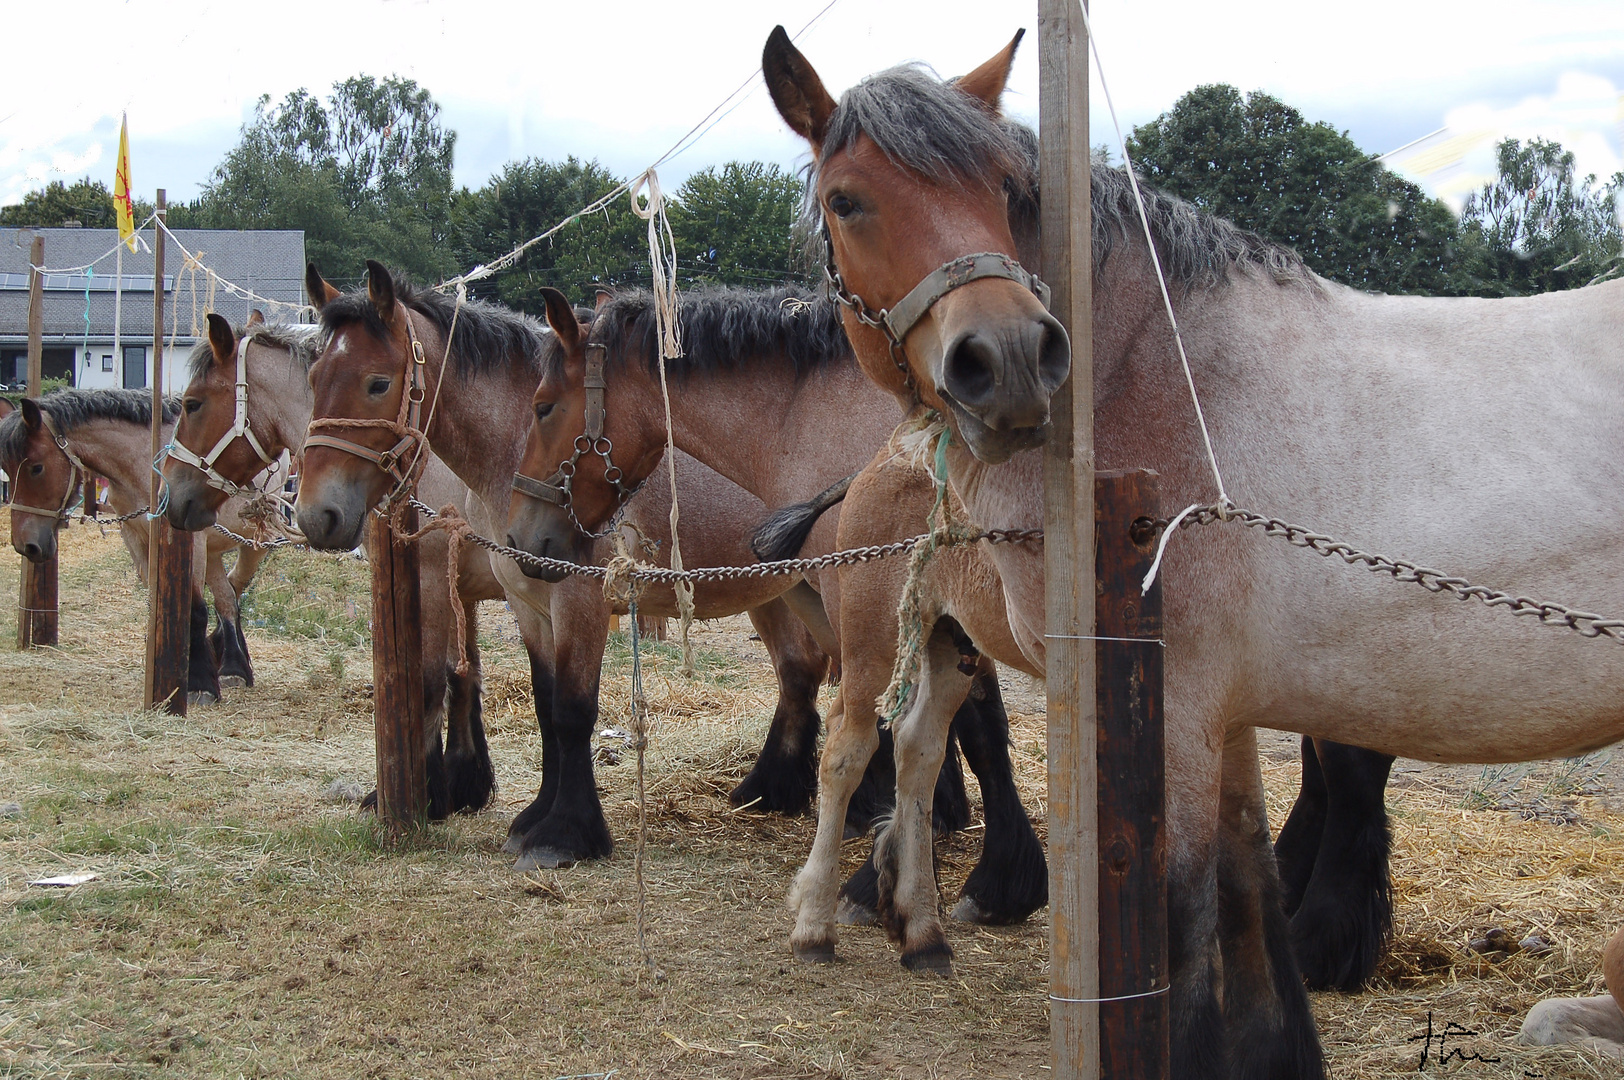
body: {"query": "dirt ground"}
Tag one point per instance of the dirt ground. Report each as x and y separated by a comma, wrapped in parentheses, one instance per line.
(241, 925)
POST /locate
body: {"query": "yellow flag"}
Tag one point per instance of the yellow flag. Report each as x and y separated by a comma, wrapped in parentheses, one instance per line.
(121, 187)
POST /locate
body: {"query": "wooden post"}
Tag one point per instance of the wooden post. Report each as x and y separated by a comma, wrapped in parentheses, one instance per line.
(1068, 494)
(1131, 767)
(37, 615)
(169, 551)
(397, 680)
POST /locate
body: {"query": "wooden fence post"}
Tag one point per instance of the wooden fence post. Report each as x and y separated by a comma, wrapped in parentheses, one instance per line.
(37, 615)
(1068, 497)
(169, 551)
(397, 680)
(1131, 776)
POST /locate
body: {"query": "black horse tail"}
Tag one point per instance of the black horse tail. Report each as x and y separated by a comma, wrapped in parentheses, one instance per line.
(782, 534)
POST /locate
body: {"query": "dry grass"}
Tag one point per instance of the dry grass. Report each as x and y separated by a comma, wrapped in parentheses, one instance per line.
(240, 927)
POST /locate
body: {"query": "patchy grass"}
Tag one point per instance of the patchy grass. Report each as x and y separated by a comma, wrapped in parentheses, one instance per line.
(240, 927)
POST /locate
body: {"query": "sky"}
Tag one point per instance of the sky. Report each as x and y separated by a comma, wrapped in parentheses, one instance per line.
(621, 81)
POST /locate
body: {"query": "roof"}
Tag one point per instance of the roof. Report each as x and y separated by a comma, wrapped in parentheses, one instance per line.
(270, 262)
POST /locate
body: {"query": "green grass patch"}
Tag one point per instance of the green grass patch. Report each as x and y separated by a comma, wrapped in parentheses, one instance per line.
(311, 596)
(711, 665)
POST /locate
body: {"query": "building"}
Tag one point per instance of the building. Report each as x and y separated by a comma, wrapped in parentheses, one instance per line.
(79, 338)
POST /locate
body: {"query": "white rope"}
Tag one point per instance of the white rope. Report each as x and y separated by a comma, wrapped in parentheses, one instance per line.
(215, 280)
(662, 258)
(1161, 546)
(46, 271)
(1161, 278)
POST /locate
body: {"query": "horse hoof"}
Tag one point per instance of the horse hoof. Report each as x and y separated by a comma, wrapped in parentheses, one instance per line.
(817, 952)
(967, 910)
(200, 697)
(848, 913)
(543, 859)
(934, 959)
(233, 682)
(513, 844)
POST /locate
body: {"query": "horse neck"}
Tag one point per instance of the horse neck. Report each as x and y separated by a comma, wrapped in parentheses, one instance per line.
(478, 426)
(121, 452)
(801, 434)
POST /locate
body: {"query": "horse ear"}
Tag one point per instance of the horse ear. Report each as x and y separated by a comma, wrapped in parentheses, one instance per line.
(561, 317)
(321, 293)
(796, 89)
(256, 317)
(601, 298)
(987, 81)
(33, 418)
(381, 290)
(222, 341)
(6, 408)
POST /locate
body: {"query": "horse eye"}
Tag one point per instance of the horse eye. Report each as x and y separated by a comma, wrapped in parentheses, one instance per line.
(36, 470)
(842, 206)
(378, 386)
(544, 409)
(192, 405)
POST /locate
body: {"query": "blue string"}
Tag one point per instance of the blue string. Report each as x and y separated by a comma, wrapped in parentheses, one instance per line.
(90, 274)
(163, 484)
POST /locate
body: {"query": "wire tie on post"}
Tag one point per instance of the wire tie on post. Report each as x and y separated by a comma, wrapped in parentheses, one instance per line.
(1108, 1000)
(1091, 637)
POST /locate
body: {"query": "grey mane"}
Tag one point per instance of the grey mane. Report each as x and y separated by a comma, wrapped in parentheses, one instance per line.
(727, 328)
(302, 343)
(70, 407)
(923, 124)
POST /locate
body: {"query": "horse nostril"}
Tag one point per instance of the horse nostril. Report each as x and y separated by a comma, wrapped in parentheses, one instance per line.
(970, 372)
(1054, 355)
(31, 550)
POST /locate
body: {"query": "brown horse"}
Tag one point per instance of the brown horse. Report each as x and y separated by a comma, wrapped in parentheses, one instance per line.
(109, 432)
(910, 179)
(477, 393)
(276, 407)
(783, 361)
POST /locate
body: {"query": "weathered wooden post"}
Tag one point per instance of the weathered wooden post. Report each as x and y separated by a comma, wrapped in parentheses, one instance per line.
(397, 683)
(1068, 523)
(169, 551)
(37, 615)
(1131, 775)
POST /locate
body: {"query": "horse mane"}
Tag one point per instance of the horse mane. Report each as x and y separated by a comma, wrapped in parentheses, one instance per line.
(725, 328)
(923, 124)
(489, 337)
(70, 407)
(301, 341)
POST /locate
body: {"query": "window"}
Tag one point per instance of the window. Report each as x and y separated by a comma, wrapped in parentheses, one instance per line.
(107, 361)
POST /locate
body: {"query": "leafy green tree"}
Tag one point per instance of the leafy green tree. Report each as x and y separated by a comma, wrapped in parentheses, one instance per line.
(734, 226)
(1536, 227)
(1257, 162)
(85, 201)
(367, 174)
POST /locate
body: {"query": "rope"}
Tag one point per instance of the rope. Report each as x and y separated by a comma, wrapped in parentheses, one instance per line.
(640, 744)
(456, 527)
(46, 271)
(191, 262)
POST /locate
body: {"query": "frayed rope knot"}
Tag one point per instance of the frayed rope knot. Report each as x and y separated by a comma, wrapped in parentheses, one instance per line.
(457, 530)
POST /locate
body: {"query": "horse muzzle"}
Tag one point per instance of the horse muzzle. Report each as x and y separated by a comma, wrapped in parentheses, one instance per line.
(35, 545)
(997, 382)
(188, 508)
(331, 526)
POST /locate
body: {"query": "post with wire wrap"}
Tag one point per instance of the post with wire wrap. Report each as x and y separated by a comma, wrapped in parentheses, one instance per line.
(37, 616)
(397, 678)
(169, 551)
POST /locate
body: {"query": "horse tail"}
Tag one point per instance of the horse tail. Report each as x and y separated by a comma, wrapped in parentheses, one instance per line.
(782, 534)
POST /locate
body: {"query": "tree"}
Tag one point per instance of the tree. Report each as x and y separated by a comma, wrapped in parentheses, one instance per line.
(86, 201)
(1536, 227)
(366, 175)
(1257, 162)
(735, 226)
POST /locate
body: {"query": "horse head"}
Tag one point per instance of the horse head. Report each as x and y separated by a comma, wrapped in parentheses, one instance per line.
(911, 177)
(42, 480)
(368, 384)
(592, 456)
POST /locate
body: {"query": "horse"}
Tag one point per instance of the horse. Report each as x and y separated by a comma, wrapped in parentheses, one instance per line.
(477, 392)
(783, 360)
(270, 363)
(1321, 402)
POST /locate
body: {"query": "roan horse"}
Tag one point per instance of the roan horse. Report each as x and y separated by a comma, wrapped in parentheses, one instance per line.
(271, 363)
(1321, 401)
(783, 361)
(476, 420)
(47, 444)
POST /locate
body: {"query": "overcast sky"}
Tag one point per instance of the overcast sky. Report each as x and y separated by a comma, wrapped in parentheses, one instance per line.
(621, 80)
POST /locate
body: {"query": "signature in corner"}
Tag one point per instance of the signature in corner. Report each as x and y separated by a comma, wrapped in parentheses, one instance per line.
(1435, 1046)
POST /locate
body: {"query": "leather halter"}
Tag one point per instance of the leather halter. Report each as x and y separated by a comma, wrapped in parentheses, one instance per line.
(407, 423)
(79, 473)
(895, 322)
(239, 428)
(556, 488)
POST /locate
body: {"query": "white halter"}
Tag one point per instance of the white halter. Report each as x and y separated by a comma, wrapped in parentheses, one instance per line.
(239, 427)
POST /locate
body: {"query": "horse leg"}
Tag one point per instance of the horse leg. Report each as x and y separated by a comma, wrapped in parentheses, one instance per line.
(229, 646)
(904, 850)
(574, 828)
(536, 628)
(785, 773)
(1299, 841)
(1011, 880)
(1346, 913)
(1268, 1027)
(470, 777)
(203, 668)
